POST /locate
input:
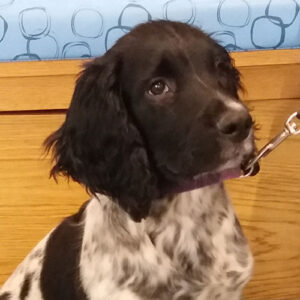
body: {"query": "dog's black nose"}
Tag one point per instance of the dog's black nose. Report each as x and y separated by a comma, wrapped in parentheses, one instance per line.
(235, 125)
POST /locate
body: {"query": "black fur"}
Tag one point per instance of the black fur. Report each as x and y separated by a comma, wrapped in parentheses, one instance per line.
(5, 296)
(96, 136)
(122, 141)
(60, 278)
(25, 287)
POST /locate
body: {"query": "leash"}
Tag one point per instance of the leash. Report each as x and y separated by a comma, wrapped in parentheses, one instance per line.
(291, 128)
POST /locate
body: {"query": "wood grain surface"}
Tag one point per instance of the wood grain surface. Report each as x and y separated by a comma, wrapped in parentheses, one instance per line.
(30, 203)
(268, 206)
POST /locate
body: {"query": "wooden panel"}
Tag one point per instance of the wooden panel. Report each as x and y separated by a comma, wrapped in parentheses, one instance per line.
(21, 136)
(50, 84)
(30, 203)
(40, 68)
(266, 57)
(268, 206)
(36, 93)
(271, 82)
(37, 85)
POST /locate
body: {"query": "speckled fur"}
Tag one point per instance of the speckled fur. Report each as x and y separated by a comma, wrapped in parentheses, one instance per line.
(193, 249)
(31, 266)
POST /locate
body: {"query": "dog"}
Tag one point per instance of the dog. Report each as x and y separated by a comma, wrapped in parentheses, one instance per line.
(153, 128)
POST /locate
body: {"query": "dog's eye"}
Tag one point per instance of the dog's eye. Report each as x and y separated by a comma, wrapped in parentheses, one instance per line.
(160, 91)
(158, 87)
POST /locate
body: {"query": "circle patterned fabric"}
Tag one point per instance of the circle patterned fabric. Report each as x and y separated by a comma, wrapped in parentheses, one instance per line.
(52, 29)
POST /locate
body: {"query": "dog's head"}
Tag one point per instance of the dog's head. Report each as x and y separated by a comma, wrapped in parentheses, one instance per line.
(157, 109)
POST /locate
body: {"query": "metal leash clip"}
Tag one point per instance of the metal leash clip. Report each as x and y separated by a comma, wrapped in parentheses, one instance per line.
(290, 128)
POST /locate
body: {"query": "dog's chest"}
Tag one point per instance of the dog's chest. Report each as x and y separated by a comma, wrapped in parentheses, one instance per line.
(194, 253)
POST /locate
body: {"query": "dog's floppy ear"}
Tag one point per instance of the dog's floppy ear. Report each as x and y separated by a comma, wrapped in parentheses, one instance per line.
(99, 146)
(229, 76)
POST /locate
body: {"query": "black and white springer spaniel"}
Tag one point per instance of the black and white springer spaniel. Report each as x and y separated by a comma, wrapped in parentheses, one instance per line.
(153, 128)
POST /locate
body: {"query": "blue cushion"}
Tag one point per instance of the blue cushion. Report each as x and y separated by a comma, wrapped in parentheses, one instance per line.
(52, 29)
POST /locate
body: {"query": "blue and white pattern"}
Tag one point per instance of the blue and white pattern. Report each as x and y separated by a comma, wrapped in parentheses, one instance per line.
(52, 29)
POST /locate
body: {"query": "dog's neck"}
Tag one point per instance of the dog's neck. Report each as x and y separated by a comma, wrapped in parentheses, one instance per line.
(192, 204)
(198, 206)
(182, 240)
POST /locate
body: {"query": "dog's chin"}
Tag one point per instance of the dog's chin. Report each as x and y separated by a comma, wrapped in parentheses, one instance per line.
(233, 167)
(228, 171)
(233, 164)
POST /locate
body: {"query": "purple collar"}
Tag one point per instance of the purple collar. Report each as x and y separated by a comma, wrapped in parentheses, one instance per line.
(206, 179)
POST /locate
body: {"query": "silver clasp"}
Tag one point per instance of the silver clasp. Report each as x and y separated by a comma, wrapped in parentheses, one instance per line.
(290, 128)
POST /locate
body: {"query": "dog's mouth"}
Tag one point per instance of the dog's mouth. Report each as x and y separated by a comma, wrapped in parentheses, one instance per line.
(208, 178)
(228, 173)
